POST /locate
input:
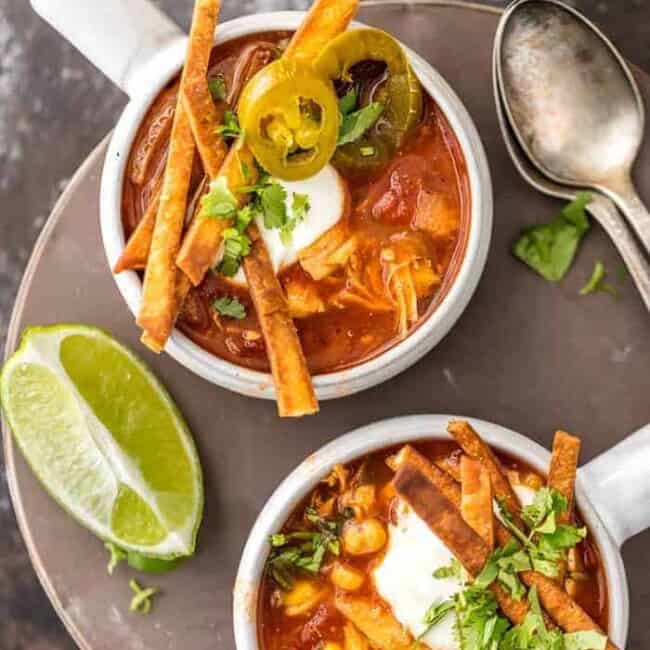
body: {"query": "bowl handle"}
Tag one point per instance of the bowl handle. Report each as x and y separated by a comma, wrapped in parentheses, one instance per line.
(618, 485)
(118, 36)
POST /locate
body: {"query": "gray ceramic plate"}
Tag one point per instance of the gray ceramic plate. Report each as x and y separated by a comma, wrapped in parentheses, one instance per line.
(526, 354)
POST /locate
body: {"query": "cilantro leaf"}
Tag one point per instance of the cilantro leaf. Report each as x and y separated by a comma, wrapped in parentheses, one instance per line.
(300, 206)
(236, 246)
(272, 198)
(454, 571)
(218, 88)
(596, 282)
(230, 127)
(549, 249)
(348, 102)
(563, 537)
(512, 584)
(546, 501)
(229, 307)
(299, 209)
(219, 202)
(354, 125)
(436, 613)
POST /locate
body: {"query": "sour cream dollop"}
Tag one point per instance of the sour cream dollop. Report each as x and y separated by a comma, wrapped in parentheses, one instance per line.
(326, 192)
(404, 578)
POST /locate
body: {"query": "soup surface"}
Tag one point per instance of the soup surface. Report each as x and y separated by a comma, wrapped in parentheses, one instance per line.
(408, 215)
(373, 588)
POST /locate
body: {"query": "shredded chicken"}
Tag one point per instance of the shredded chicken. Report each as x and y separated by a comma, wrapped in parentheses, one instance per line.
(364, 286)
(330, 252)
(303, 298)
(408, 275)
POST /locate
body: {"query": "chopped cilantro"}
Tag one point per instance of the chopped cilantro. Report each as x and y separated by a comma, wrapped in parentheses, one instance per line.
(229, 307)
(549, 249)
(478, 623)
(355, 124)
(230, 127)
(218, 88)
(454, 571)
(244, 218)
(117, 556)
(303, 550)
(546, 501)
(547, 542)
(219, 202)
(433, 616)
(273, 197)
(236, 245)
(141, 601)
(300, 206)
(299, 209)
(596, 282)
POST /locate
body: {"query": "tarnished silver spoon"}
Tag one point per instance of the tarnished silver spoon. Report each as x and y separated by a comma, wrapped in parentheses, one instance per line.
(572, 102)
(601, 208)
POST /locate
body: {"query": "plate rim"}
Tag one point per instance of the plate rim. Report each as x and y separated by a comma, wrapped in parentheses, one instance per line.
(13, 332)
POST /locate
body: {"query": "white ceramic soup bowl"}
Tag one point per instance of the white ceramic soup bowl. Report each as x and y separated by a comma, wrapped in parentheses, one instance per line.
(141, 51)
(612, 493)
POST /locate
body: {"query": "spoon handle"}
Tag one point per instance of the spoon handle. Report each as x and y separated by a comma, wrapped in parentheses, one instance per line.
(625, 196)
(605, 212)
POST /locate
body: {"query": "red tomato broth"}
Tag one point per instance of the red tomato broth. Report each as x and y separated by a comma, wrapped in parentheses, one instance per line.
(276, 631)
(383, 205)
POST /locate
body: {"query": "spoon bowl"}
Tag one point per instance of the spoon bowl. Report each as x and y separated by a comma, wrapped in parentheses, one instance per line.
(601, 208)
(572, 102)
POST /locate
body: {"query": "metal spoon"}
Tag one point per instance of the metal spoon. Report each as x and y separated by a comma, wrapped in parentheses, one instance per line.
(601, 208)
(572, 101)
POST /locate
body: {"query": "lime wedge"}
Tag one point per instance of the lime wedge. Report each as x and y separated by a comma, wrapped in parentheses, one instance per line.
(105, 439)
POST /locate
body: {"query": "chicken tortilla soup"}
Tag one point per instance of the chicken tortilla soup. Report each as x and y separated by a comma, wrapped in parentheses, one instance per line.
(352, 178)
(441, 544)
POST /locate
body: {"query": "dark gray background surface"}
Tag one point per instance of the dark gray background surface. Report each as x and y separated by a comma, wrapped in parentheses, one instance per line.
(54, 107)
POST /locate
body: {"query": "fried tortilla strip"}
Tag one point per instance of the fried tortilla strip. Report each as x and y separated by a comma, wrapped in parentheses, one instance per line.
(476, 499)
(325, 20)
(472, 444)
(419, 489)
(202, 239)
(449, 467)
(204, 116)
(408, 455)
(562, 477)
(158, 308)
(374, 621)
(136, 251)
(561, 608)
(159, 295)
(295, 392)
(563, 470)
(437, 482)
